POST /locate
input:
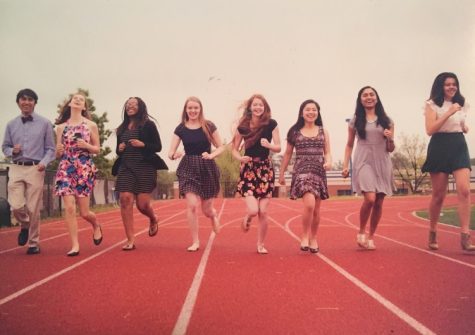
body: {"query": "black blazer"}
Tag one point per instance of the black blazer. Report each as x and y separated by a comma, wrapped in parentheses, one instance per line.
(148, 134)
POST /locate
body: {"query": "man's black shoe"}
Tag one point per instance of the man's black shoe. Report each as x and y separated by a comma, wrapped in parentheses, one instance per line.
(23, 236)
(33, 250)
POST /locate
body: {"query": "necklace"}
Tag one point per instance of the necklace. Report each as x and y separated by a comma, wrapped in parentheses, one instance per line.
(372, 121)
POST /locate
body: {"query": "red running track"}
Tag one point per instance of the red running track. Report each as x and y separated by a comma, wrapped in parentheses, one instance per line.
(226, 287)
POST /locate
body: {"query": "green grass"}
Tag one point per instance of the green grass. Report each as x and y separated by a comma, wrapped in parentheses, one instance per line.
(449, 216)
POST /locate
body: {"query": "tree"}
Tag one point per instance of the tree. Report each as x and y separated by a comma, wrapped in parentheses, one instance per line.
(229, 169)
(408, 159)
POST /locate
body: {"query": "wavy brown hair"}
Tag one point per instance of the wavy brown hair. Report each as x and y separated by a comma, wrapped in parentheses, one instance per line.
(201, 119)
(251, 135)
(65, 112)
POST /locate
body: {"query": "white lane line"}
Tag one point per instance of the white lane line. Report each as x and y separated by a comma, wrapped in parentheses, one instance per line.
(111, 221)
(432, 253)
(100, 215)
(419, 327)
(348, 223)
(65, 270)
(190, 300)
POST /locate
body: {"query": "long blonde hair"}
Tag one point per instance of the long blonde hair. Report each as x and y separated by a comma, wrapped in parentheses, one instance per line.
(203, 122)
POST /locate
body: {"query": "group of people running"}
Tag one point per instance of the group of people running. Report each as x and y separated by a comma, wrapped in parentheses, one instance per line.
(29, 141)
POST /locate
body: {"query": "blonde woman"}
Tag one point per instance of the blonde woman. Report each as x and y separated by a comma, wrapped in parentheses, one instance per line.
(198, 174)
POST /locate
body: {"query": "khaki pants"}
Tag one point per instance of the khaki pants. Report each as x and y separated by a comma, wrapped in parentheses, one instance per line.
(25, 195)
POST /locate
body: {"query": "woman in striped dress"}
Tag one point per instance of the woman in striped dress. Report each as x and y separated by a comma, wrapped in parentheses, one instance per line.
(137, 139)
(198, 174)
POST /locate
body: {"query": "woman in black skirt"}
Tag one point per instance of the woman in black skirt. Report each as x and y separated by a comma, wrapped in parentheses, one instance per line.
(445, 114)
(198, 174)
(256, 182)
(137, 141)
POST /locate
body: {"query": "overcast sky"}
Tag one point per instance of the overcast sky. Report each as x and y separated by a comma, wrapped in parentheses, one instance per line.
(224, 51)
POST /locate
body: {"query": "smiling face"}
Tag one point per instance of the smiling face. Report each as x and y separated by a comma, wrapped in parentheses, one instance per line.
(450, 88)
(26, 105)
(78, 101)
(257, 107)
(310, 112)
(368, 98)
(132, 107)
(193, 110)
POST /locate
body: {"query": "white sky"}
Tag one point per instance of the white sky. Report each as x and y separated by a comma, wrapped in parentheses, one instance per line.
(223, 51)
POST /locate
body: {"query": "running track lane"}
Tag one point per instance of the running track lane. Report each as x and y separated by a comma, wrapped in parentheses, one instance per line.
(286, 291)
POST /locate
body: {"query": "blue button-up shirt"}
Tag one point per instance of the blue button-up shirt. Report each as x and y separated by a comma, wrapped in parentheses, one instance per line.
(35, 137)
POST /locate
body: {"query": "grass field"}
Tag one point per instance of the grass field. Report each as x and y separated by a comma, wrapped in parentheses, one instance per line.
(449, 216)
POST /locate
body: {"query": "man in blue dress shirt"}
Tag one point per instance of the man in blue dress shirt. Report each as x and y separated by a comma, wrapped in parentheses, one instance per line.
(29, 142)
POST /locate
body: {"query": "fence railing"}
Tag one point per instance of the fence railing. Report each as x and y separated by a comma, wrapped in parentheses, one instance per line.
(104, 190)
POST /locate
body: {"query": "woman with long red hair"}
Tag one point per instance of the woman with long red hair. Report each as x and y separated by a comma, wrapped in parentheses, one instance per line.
(260, 135)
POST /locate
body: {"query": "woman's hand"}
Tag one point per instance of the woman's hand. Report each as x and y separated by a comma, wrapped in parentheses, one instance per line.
(265, 143)
(345, 172)
(136, 143)
(122, 146)
(59, 150)
(82, 144)
(388, 133)
(245, 159)
(454, 108)
(177, 155)
(282, 179)
(206, 155)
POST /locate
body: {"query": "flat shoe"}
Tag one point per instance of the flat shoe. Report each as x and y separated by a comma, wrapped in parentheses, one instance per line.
(262, 250)
(194, 247)
(73, 253)
(128, 247)
(314, 250)
(99, 240)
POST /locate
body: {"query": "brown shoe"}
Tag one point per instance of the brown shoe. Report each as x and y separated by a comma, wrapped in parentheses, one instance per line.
(466, 242)
(433, 245)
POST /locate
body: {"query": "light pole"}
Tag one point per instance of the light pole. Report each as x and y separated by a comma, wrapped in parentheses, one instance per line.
(351, 164)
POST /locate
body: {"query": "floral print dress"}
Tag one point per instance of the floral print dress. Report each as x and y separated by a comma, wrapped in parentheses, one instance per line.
(76, 173)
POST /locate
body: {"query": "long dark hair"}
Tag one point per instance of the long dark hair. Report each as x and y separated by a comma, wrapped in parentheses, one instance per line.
(65, 112)
(437, 91)
(360, 113)
(300, 120)
(140, 118)
(244, 126)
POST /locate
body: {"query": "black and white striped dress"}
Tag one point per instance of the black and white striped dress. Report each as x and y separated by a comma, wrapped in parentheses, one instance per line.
(135, 174)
